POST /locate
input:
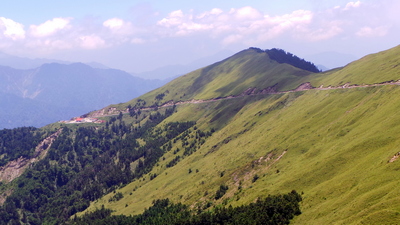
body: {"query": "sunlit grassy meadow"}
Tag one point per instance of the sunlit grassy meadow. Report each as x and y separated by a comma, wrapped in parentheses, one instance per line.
(333, 146)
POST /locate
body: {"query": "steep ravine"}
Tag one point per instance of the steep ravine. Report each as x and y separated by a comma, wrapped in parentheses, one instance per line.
(16, 167)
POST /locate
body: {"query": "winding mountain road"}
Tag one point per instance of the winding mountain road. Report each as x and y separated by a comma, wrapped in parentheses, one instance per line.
(302, 87)
(249, 92)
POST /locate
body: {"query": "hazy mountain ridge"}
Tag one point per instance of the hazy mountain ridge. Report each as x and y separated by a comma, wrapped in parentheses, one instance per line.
(25, 63)
(60, 91)
(173, 71)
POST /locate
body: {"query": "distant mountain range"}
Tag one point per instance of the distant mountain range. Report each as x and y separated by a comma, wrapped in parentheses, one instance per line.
(25, 63)
(36, 92)
(52, 92)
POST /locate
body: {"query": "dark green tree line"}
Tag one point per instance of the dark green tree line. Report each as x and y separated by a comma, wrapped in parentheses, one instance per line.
(277, 209)
(85, 163)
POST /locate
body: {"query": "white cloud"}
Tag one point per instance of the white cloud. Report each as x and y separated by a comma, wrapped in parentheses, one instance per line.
(11, 29)
(180, 24)
(49, 27)
(289, 22)
(323, 33)
(351, 5)
(296, 17)
(91, 42)
(175, 18)
(238, 25)
(267, 27)
(242, 22)
(246, 26)
(372, 32)
(121, 30)
(214, 11)
(246, 13)
(114, 23)
(187, 28)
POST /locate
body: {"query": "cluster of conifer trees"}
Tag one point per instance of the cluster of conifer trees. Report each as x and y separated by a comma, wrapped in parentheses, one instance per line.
(277, 209)
(83, 164)
(281, 56)
(18, 142)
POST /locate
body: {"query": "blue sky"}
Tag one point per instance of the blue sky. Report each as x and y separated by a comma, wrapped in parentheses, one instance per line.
(143, 35)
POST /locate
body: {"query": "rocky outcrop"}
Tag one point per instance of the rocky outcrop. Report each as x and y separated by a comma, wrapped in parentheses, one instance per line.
(107, 112)
(249, 91)
(304, 86)
(269, 90)
(395, 157)
(255, 91)
(16, 167)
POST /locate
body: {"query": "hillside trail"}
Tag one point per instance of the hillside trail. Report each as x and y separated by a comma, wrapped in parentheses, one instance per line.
(249, 92)
(302, 87)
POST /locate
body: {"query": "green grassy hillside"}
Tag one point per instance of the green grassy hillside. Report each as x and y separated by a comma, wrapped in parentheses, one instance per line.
(337, 145)
(374, 68)
(334, 146)
(251, 68)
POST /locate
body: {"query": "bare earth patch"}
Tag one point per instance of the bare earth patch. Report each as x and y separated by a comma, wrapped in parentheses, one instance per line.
(16, 167)
(395, 157)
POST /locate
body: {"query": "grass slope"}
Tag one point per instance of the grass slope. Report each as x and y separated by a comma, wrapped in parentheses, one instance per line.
(374, 68)
(333, 145)
(232, 76)
(338, 146)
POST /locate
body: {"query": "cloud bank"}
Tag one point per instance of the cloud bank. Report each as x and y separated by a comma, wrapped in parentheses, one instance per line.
(246, 26)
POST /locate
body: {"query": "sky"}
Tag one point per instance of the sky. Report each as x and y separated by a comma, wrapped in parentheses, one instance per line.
(138, 36)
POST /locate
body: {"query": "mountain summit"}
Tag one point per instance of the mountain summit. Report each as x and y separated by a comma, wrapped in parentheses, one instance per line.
(249, 71)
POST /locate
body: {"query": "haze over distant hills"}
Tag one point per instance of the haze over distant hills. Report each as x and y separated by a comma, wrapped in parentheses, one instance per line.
(162, 73)
(36, 92)
(52, 92)
(170, 71)
(331, 60)
(25, 63)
